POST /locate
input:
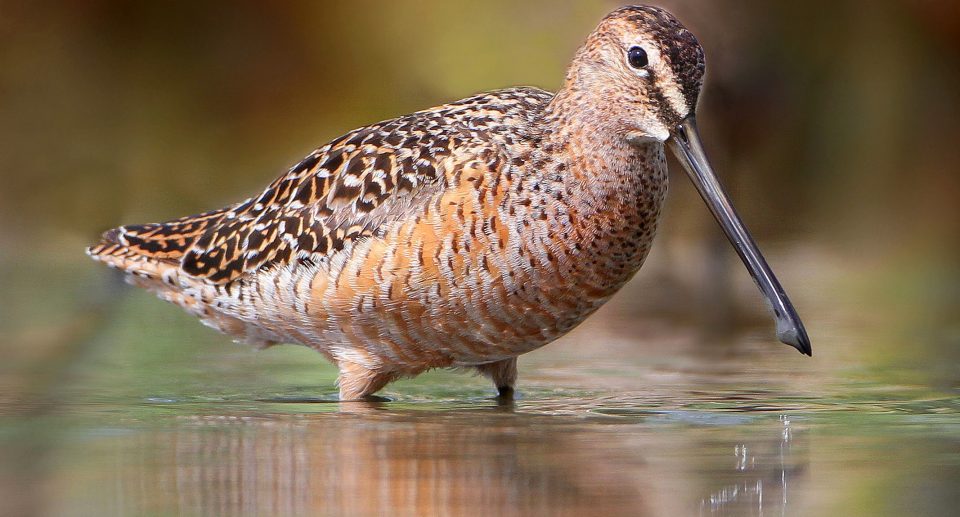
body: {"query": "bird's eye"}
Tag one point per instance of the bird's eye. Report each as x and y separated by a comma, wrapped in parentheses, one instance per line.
(637, 57)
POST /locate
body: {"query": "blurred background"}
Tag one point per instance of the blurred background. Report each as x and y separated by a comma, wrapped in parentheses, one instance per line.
(834, 126)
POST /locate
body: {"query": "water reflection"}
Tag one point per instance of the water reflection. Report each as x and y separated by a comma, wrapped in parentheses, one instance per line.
(374, 461)
(765, 472)
(493, 460)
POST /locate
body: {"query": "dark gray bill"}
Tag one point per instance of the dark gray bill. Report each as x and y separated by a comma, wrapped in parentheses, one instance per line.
(685, 143)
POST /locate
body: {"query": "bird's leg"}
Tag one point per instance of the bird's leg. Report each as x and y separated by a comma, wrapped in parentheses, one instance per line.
(503, 374)
(360, 383)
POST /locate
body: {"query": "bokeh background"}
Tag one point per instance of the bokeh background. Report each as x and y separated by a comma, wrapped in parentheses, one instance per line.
(835, 126)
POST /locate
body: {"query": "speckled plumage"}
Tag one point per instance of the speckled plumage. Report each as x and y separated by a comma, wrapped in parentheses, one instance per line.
(462, 235)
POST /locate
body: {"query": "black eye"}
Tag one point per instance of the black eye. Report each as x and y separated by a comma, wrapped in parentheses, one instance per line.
(637, 57)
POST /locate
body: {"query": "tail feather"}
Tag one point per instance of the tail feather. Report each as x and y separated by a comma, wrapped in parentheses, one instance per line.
(150, 254)
(166, 242)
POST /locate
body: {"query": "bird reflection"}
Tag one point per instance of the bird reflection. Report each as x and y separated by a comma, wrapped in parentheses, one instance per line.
(486, 459)
(368, 459)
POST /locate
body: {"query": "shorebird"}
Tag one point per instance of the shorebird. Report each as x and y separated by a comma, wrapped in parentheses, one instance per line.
(462, 235)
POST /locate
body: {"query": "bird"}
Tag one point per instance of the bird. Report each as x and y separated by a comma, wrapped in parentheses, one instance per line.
(460, 236)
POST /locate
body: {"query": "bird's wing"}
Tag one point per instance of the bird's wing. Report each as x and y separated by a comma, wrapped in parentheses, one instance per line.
(344, 191)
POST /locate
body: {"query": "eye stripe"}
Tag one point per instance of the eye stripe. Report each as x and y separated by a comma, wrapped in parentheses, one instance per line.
(665, 109)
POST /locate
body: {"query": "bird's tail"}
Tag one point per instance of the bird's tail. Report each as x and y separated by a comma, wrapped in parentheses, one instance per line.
(152, 250)
(149, 255)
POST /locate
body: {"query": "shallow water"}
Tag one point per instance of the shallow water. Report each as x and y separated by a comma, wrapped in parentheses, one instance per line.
(147, 412)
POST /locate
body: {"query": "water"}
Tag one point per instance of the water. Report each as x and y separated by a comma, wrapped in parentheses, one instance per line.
(120, 405)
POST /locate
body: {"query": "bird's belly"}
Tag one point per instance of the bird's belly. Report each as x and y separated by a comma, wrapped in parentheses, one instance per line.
(432, 324)
(435, 324)
(411, 304)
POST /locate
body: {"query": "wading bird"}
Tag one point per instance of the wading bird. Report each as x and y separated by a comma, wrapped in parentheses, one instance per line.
(463, 235)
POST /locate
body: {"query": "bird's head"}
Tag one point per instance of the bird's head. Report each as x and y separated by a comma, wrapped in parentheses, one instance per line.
(642, 69)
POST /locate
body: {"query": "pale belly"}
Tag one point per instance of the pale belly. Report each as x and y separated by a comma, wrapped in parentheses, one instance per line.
(384, 308)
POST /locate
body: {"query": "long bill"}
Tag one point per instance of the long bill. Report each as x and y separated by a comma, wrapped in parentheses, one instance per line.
(685, 143)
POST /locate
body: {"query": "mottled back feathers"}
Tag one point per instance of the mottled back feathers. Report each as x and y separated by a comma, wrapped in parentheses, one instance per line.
(341, 192)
